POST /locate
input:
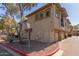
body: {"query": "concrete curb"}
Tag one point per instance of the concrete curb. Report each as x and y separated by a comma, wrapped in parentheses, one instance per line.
(25, 54)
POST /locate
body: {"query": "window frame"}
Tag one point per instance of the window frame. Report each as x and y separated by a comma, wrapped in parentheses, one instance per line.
(62, 22)
(36, 17)
(47, 11)
(41, 16)
(57, 12)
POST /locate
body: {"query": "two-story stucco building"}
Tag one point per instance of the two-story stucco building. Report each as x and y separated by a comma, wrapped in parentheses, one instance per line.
(49, 23)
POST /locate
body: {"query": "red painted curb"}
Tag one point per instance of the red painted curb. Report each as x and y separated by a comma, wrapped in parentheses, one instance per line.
(50, 54)
(16, 50)
(24, 54)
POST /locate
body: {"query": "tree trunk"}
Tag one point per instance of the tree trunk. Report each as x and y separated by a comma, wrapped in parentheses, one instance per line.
(20, 28)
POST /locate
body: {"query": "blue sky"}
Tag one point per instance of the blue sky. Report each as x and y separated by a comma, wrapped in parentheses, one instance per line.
(72, 10)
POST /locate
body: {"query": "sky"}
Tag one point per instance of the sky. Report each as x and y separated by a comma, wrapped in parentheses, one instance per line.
(72, 10)
(2, 10)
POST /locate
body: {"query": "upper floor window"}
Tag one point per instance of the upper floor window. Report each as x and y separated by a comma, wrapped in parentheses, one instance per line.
(48, 13)
(36, 17)
(57, 13)
(62, 22)
(41, 16)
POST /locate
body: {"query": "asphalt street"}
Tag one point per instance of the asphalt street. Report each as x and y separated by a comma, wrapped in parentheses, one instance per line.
(4, 51)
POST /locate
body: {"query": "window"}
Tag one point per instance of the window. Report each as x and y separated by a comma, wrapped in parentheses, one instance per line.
(41, 16)
(57, 14)
(48, 13)
(62, 22)
(65, 24)
(36, 17)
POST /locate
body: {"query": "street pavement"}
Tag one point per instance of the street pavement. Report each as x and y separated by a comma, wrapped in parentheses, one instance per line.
(7, 52)
(4, 51)
(70, 46)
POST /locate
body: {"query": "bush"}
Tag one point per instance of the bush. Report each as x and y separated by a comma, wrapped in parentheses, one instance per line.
(10, 38)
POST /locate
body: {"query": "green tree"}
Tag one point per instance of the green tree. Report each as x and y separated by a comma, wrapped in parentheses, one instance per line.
(18, 8)
(22, 7)
(2, 26)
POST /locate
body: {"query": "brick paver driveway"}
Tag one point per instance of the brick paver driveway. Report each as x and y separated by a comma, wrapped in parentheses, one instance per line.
(70, 46)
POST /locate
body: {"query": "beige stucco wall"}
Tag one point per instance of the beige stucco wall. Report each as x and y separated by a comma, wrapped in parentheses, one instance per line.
(67, 25)
(51, 24)
(56, 19)
(40, 29)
